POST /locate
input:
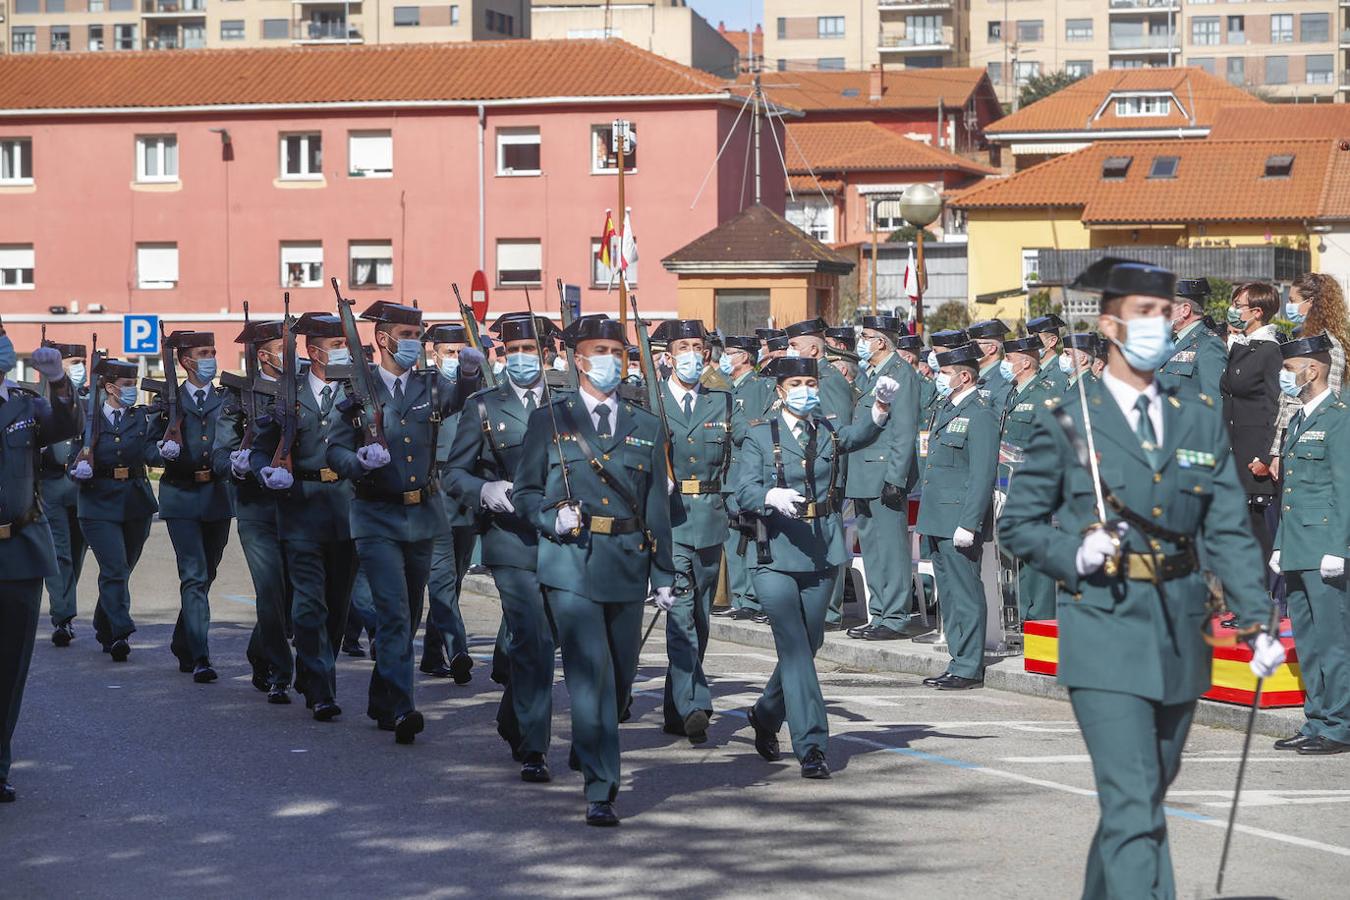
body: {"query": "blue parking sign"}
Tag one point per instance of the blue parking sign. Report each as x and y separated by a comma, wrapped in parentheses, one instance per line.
(140, 334)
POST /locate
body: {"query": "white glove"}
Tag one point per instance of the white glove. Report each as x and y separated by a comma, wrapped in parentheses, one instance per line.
(277, 479)
(1274, 562)
(372, 456)
(82, 471)
(784, 500)
(470, 362)
(568, 521)
(1332, 567)
(1267, 655)
(963, 539)
(665, 598)
(496, 496)
(169, 449)
(239, 463)
(885, 389)
(670, 485)
(47, 360)
(1098, 546)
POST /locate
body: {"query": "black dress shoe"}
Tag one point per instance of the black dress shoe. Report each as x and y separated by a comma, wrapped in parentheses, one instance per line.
(741, 613)
(721, 611)
(435, 670)
(932, 680)
(1293, 743)
(950, 682)
(63, 635)
(278, 694)
(881, 633)
(119, 650)
(202, 673)
(327, 711)
(766, 741)
(601, 814)
(353, 648)
(7, 794)
(761, 619)
(696, 727)
(535, 769)
(461, 668)
(858, 631)
(384, 724)
(407, 727)
(1322, 746)
(814, 765)
(834, 626)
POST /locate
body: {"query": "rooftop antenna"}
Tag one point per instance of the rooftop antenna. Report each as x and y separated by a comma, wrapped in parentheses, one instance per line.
(609, 20)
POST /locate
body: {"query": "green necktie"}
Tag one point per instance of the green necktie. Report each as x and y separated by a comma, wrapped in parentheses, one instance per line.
(530, 405)
(1148, 439)
(688, 404)
(602, 413)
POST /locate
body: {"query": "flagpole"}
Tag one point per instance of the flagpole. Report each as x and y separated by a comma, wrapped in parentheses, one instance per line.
(622, 141)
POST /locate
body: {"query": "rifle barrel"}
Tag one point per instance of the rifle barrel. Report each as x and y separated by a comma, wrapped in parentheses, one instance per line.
(548, 401)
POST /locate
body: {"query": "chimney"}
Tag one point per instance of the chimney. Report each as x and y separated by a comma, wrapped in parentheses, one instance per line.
(878, 86)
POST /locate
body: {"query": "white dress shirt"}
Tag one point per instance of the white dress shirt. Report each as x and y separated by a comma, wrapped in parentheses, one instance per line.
(110, 413)
(591, 402)
(537, 389)
(389, 378)
(5, 384)
(1311, 406)
(1126, 397)
(316, 386)
(957, 399)
(678, 390)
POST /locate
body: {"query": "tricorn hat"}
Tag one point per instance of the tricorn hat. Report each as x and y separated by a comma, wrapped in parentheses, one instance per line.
(521, 327)
(598, 327)
(1309, 346)
(677, 329)
(317, 324)
(1029, 344)
(809, 326)
(792, 367)
(1050, 324)
(743, 342)
(392, 313)
(448, 333)
(964, 355)
(911, 342)
(68, 351)
(949, 338)
(184, 340)
(259, 332)
(989, 329)
(892, 325)
(116, 368)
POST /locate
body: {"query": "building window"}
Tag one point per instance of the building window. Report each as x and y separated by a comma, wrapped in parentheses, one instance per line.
(602, 275)
(23, 39)
(1202, 62)
(194, 36)
(782, 65)
(1155, 105)
(782, 28)
(829, 27)
(519, 262)
(124, 37)
(604, 155)
(121, 5)
(1319, 68)
(1237, 29)
(1163, 167)
(883, 214)
(60, 38)
(1030, 30)
(302, 156)
(1205, 30)
(501, 23)
(372, 264)
(156, 267)
(370, 154)
(276, 29)
(407, 16)
(814, 215)
(454, 14)
(1115, 168)
(1237, 70)
(56, 6)
(302, 264)
(830, 64)
(923, 31)
(1026, 71)
(28, 7)
(1314, 28)
(994, 32)
(1282, 29)
(95, 37)
(96, 5)
(518, 151)
(1280, 166)
(16, 267)
(1277, 70)
(1078, 29)
(995, 70)
(157, 157)
(1078, 68)
(232, 29)
(16, 161)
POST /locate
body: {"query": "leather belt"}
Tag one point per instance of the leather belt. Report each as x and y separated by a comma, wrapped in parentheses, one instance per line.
(611, 525)
(403, 498)
(694, 486)
(196, 476)
(1147, 567)
(325, 476)
(119, 473)
(10, 529)
(816, 509)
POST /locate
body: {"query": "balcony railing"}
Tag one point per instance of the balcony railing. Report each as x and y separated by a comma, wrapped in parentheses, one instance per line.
(890, 5)
(1161, 42)
(1146, 5)
(920, 39)
(327, 32)
(173, 7)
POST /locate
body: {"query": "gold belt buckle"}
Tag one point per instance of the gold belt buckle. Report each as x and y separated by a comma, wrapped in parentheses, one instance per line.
(602, 524)
(412, 498)
(809, 510)
(1140, 567)
(691, 486)
(6, 531)
(327, 475)
(121, 473)
(201, 476)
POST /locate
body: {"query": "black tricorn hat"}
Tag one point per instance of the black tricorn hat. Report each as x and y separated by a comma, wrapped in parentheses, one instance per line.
(393, 313)
(116, 368)
(317, 324)
(598, 327)
(949, 338)
(185, 340)
(1045, 324)
(1093, 278)
(840, 332)
(260, 332)
(1082, 340)
(765, 333)
(886, 324)
(792, 367)
(743, 342)
(1029, 344)
(911, 342)
(677, 329)
(517, 327)
(988, 329)
(1139, 278)
(964, 355)
(634, 353)
(777, 342)
(716, 338)
(1195, 290)
(68, 351)
(1309, 346)
(809, 326)
(449, 333)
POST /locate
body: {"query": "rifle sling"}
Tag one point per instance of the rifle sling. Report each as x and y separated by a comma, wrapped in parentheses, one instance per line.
(607, 477)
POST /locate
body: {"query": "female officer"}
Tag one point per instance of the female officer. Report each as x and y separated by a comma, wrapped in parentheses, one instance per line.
(787, 473)
(115, 503)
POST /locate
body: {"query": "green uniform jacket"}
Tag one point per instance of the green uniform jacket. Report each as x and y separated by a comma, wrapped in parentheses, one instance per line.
(994, 388)
(606, 568)
(836, 394)
(1023, 404)
(800, 545)
(28, 423)
(890, 459)
(1196, 365)
(958, 474)
(1315, 513)
(1119, 635)
(700, 450)
(1050, 369)
(252, 501)
(180, 497)
(102, 497)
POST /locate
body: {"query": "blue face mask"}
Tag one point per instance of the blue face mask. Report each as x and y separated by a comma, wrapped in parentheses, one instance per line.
(943, 383)
(1005, 369)
(127, 395)
(206, 369)
(1148, 342)
(8, 358)
(793, 353)
(77, 374)
(1065, 364)
(864, 349)
(603, 372)
(688, 366)
(523, 368)
(802, 400)
(1292, 314)
(1289, 383)
(409, 349)
(339, 356)
(450, 367)
(724, 365)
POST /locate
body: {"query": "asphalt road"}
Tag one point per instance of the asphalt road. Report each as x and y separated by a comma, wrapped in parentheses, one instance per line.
(134, 781)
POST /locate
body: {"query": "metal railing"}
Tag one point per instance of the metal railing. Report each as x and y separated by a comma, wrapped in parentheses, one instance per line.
(1256, 263)
(1146, 5)
(1146, 42)
(923, 38)
(347, 32)
(173, 7)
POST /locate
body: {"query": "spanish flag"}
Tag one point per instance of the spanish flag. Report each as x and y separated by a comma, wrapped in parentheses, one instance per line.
(607, 238)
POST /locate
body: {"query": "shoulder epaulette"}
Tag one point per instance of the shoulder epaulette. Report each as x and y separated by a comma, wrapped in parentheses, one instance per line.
(1052, 402)
(754, 422)
(24, 389)
(1205, 398)
(1176, 404)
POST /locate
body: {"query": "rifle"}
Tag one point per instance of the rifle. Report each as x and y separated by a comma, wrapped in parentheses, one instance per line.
(475, 338)
(422, 353)
(92, 415)
(568, 499)
(168, 393)
(248, 398)
(655, 402)
(565, 316)
(362, 386)
(286, 410)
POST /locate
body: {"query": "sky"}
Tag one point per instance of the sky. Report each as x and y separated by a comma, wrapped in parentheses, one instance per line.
(738, 14)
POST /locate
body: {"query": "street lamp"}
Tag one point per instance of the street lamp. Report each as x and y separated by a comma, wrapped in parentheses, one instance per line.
(920, 206)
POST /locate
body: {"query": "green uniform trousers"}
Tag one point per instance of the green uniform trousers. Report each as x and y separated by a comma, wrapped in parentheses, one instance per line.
(795, 603)
(834, 613)
(1036, 594)
(321, 574)
(740, 587)
(361, 613)
(696, 571)
(1136, 747)
(117, 548)
(525, 714)
(1319, 612)
(397, 572)
(961, 598)
(450, 555)
(269, 651)
(884, 535)
(20, 609)
(70, 549)
(199, 547)
(600, 657)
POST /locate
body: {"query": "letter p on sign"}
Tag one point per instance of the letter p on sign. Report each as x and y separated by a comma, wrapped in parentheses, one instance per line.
(140, 334)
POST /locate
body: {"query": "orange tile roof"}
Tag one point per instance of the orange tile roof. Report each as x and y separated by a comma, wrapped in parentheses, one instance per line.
(903, 89)
(852, 146)
(1289, 120)
(480, 71)
(1199, 96)
(805, 184)
(1216, 181)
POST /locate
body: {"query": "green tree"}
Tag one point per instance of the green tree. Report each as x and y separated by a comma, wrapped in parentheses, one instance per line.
(949, 316)
(1038, 87)
(1039, 304)
(903, 235)
(1216, 307)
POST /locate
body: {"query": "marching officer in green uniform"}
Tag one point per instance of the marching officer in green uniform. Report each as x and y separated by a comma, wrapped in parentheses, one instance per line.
(699, 422)
(28, 423)
(482, 468)
(1131, 648)
(878, 482)
(116, 504)
(788, 473)
(194, 505)
(1312, 543)
(1080, 349)
(959, 467)
(592, 478)
(397, 513)
(738, 365)
(59, 505)
(313, 514)
(1199, 356)
(940, 340)
(994, 387)
(269, 652)
(841, 337)
(1047, 328)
